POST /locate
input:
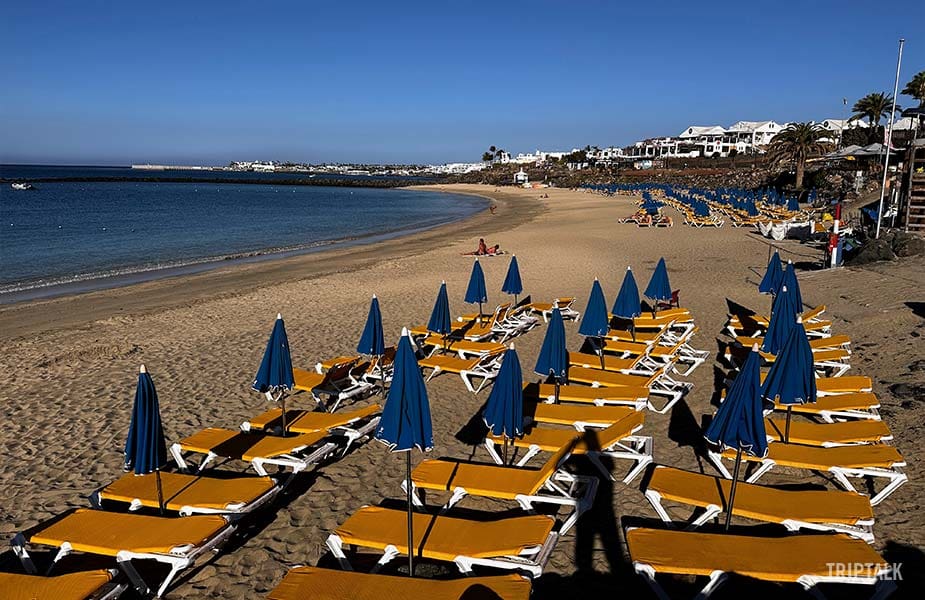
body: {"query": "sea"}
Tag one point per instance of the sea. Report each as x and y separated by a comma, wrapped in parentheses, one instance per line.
(73, 234)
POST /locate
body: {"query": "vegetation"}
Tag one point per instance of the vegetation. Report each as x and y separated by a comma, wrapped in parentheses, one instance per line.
(916, 88)
(874, 106)
(796, 143)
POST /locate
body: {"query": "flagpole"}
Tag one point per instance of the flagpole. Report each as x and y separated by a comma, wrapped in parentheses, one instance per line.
(889, 138)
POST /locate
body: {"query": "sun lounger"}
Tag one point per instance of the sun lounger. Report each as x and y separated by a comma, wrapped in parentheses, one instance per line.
(618, 441)
(83, 585)
(353, 424)
(563, 304)
(190, 494)
(464, 348)
(484, 368)
(833, 342)
(580, 417)
(128, 537)
(738, 327)
(635, 396)
(859, 405)
(807, 560)
(825, 510)
(828, 362)
(826, 435)
(477, 331)
(336, 383)
(521, 543)
(659, 383)
(296, 452)
(628, 366)
(301, 583)
(842, 462)
(549, 484)
(833, 386)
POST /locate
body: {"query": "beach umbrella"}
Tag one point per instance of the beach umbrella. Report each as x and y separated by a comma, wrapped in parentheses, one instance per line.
(405, 423)
(504, 411)
(274, 378)
(476, 292)
(553, 358)
(793, 204)
(512, 284)
(739, 421)
(791, 379)
(771, 281)
(440, 316)
(372, 342)
(596, 323)
(659, 287)
(145, 448)
(627, 306)
(790, 280)
(783, 317)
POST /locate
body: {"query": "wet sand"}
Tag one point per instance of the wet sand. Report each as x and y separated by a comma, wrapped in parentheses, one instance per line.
(70, 368)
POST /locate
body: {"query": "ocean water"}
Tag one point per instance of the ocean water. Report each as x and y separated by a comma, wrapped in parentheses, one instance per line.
(68, 232)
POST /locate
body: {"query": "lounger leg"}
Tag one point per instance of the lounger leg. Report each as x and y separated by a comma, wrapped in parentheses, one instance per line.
(458, 494)
(717, 578)
(655, 499)
(648, 573)
(490, 446)
(596, 461)
(63, 551)
(388, 554)
(531, 452)
(129, 569)
(336, 546)
(177, 453)
(19, 549)
(174, 569)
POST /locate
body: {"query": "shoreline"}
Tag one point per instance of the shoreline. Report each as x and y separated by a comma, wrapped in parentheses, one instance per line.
(202, 281)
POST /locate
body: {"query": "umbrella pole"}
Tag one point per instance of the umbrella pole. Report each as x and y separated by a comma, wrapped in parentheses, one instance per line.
(480, 313)
(282, 404)
(601, 352)
(556, 396)
(787, 428)
(732, 491)
(504, 447)
(160, 491)
(411, 548)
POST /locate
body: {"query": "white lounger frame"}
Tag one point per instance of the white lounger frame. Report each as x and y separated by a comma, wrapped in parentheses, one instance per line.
(487, 371)
(532, 560)
(233, 511)
(179, 558)
(894, 475)
(292, 461)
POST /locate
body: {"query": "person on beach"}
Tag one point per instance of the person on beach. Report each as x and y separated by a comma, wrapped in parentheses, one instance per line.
(492, 208)
(483, 249)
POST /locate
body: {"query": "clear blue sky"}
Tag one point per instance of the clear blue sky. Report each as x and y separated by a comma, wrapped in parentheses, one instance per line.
(208, 82)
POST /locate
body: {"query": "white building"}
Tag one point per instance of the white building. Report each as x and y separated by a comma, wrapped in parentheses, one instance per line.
(707, 138)
(748, 136)
(539, 157)
(456, 168)
(837, 128)
(520, 177)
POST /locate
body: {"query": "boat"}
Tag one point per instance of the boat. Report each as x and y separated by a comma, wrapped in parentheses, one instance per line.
(22, 186)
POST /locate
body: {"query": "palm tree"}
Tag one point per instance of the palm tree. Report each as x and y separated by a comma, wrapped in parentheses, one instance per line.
(796, 143)
(488, 156)
(874, 107)
(916, 88)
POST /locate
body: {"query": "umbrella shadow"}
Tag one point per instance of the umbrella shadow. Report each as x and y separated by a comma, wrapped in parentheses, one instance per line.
(474, 431)
(911, 577)
(918, 308)
(738, 310)
(684, 430)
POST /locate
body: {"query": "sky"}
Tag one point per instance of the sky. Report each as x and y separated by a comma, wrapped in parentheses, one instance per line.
(423, 82)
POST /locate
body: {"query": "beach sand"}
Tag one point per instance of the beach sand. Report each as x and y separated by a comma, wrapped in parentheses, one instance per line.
(69, 368)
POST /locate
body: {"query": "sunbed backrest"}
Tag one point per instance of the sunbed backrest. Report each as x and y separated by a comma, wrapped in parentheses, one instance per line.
(340, 370)
(554, 462)
(608, 437)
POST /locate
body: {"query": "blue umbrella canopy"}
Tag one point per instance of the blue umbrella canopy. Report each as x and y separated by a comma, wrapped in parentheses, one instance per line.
(372, 342)
(405, 422)
(504, 411)
(440, 316)
(553, 358)
(627, 304)
(783, 318)
(793, 204)
(145, 448)
(773, 275)
(791, 379)
(790, 280)
(595, 322)
(659, 287)
(275, 373)
(739, 421)
(512, 284)
(476, 292)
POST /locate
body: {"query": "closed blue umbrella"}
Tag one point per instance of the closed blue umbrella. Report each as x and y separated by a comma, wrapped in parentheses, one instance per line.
(627, 305)
(405, 422)
(596, 323)
(512, 284)
(553, 358)
(145, 448)
(790, 280)
(372, 342)
(659, 288)
(440, 316)
(739, 421)
(504, 411)
(793, 204)
(476, 292)
(791, 379)
(771, 281)
(783, 317)
(274, 378)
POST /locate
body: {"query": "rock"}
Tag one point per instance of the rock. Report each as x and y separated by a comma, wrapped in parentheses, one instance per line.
(873, 251)
(918, 365)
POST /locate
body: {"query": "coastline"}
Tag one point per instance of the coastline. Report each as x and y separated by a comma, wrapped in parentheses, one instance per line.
(200, 281)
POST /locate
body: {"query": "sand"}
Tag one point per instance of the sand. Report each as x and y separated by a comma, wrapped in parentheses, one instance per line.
(69, 367)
